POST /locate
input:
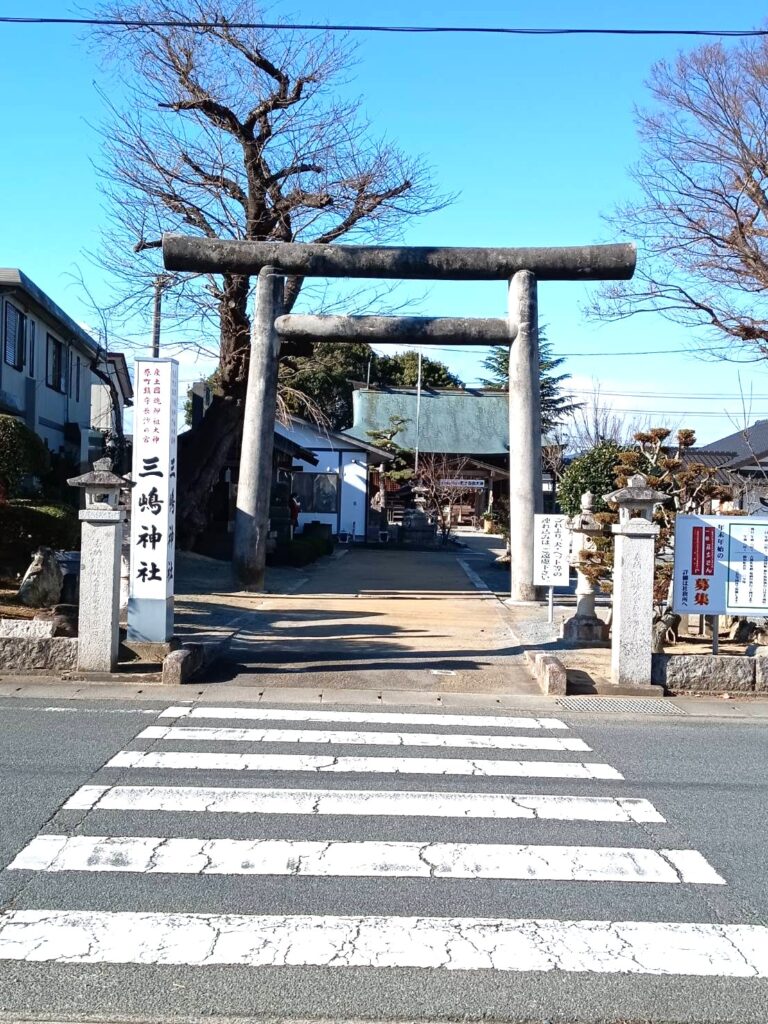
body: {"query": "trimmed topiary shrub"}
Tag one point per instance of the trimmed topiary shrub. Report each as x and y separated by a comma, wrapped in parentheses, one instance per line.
(594, 471)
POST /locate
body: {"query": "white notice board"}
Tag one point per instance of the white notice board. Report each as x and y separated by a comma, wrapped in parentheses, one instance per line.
(551, 550)
(721, 565)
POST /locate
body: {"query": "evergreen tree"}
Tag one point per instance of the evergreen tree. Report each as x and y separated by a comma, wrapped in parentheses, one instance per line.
(556, 404)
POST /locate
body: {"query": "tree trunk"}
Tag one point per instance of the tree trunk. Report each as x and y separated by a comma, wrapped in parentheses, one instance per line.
(203, 454)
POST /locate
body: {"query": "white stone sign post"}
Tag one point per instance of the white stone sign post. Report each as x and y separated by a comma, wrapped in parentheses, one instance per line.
(153, 504)
(633, 564)
(551, 548)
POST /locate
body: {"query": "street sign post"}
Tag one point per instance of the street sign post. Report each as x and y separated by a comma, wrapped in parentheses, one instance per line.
(551, 548)
(153, 501)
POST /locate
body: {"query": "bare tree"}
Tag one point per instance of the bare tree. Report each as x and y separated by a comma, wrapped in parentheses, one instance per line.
(234, 133)
(702, 219)
(439, 477)
(596, 421)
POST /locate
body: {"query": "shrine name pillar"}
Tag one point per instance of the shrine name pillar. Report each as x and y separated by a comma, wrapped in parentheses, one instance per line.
(525, 487)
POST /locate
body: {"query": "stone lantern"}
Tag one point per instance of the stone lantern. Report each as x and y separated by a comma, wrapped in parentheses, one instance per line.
(585, 626)
(634, 561)
(102, 533)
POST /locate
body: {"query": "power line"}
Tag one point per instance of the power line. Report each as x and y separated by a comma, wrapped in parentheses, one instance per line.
(408, 29)
(701, 397)
(610, 354)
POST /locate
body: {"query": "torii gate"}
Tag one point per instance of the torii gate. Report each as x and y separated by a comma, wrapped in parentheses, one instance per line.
(274, 260)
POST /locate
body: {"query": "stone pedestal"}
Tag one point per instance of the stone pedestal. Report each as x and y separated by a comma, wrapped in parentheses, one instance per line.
(584, 627)
(634, 558)
(98, 631)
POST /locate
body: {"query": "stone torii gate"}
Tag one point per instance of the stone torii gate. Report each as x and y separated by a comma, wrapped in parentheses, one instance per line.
(272, 261)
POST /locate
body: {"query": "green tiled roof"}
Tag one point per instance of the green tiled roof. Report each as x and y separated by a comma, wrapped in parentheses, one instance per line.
(471, 422)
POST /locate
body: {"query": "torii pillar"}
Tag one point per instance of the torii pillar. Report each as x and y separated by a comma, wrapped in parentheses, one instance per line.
(525, 485)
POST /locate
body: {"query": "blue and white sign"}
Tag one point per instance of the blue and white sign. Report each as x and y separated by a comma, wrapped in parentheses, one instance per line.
(721, 565)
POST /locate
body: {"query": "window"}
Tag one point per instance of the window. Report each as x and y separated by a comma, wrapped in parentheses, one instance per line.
(15, 331)
(317, 492)
(31, 346)
(77, 381)
(55, 364)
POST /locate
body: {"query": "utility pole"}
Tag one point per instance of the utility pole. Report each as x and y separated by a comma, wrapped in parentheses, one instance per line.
(159, 282)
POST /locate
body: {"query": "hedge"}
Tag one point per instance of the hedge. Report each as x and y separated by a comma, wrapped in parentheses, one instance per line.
(300, 551)
(22, 453)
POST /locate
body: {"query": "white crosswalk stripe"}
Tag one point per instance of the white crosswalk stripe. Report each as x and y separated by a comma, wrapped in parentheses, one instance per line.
(363, 717)
(461, 944)
(91, 936)
(399, 803)
(152, 854)
(348, 737)
(324, 763)
(213, 761)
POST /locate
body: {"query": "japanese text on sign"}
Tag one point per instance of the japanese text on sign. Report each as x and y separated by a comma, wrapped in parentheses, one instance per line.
(721, 565)
(153, 499)
(551, 549)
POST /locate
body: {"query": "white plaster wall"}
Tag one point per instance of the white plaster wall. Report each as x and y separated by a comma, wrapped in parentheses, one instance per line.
(353, 491)
(333, 457)
(53, 406)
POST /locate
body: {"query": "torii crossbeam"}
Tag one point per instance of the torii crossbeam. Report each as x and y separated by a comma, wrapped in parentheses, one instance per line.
(272, 261)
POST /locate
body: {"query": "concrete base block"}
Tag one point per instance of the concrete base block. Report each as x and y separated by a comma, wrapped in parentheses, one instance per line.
(32, 629)
(181, 665)
(550, 672)
(41, 654)
(761, 671)
(188, 662)
(705, 673)
(146, 650)
(585, 629)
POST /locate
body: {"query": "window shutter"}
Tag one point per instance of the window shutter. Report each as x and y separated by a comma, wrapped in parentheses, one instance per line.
(31, 338)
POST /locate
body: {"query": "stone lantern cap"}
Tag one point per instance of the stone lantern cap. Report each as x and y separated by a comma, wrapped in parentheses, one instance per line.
(100, 476)
(102, 486)
(637, 496)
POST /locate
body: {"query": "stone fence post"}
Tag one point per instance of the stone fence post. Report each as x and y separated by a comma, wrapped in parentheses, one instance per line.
(633, 565)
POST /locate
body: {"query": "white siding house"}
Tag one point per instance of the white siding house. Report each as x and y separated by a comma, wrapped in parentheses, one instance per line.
(335, 491)
(45, 366)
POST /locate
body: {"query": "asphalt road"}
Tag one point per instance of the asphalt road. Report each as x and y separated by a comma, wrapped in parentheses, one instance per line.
(705, 777)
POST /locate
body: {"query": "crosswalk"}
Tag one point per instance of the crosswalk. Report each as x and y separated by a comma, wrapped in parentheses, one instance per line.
(383, 816)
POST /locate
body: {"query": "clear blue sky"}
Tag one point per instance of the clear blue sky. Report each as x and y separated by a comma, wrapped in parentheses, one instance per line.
(535, 134)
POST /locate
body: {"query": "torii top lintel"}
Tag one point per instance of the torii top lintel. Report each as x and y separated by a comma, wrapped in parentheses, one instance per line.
(563, 263)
